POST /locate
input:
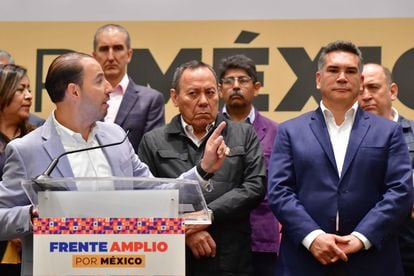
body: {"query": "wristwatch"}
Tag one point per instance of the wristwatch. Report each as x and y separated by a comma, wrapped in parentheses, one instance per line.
(205, 175)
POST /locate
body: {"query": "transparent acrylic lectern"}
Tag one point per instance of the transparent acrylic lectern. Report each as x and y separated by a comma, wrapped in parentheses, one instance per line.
(113, 225)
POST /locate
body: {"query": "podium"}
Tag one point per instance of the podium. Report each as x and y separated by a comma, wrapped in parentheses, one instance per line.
(113, 225)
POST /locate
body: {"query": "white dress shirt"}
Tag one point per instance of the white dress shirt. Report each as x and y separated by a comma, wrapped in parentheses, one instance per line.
(115, 99)
(395, 115)
(339, 136)
(189, 132)
(90, 163)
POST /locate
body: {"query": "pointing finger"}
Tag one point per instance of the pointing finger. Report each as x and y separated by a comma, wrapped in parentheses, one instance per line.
(218, 130)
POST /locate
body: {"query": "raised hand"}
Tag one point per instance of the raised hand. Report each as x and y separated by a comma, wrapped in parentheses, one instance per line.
(215, 151)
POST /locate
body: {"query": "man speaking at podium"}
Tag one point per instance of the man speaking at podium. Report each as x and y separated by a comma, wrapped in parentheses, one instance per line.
(75, 82)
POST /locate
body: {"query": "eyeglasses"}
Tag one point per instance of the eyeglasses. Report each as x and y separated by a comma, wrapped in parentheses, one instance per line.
(243, 80)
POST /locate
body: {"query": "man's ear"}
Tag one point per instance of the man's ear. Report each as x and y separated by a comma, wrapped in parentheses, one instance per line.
(219, 89)
(394, 91)
(174, 96)
(361, 86)
(73, 90)
(257, 85)
(130, 52)
(318, 80)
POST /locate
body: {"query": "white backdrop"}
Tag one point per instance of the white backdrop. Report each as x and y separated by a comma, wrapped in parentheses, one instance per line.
(144, 10)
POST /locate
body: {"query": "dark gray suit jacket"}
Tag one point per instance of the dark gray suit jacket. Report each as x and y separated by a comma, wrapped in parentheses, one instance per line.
(141, 110)
(406, 237)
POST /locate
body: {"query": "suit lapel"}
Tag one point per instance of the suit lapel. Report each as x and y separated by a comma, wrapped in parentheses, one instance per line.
(128, 101)
(259, 127)
(358, 132)
(54, 148)
(319, 129)
(111, 153)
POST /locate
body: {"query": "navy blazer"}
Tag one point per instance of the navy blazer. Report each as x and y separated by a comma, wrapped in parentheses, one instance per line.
(372, 196)
(141, 110)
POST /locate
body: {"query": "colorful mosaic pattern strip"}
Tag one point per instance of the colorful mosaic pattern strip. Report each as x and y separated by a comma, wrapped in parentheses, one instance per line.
(49, 226)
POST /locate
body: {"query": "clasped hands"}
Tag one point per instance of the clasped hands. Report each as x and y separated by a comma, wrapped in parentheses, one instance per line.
(329, 248)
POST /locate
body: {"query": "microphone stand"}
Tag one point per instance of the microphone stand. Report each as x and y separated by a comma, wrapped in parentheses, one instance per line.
(52, 165)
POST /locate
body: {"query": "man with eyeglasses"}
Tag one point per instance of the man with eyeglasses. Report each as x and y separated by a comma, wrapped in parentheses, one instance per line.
(238, 88)
(224, 247)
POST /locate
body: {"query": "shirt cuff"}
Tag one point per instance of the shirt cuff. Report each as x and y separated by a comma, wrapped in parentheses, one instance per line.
(205, 184)
(365, 241)
(308, 240)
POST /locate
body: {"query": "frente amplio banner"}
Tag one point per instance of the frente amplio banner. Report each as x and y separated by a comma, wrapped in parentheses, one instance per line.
(109, 246)
(285, 51)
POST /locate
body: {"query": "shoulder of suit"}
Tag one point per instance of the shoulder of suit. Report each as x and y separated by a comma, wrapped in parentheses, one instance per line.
(158, 131)
(143, 89)
(379, 120)
(238, 126)
(405, 122)
(265, 120)
(107, 126)
(29, 140)
(303, 118)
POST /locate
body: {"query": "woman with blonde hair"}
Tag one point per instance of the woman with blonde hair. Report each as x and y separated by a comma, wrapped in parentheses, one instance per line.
(15, 103)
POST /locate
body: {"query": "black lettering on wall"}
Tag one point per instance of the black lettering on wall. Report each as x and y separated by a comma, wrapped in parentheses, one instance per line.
(305, 68)
(371, 54)
(41, 53)
(304, 87)
(403, 74)
(144, 70)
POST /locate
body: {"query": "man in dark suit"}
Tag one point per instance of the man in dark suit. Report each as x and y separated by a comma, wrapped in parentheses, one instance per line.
(134, 107)
(238, 87)
(377, 97)
(340, 179)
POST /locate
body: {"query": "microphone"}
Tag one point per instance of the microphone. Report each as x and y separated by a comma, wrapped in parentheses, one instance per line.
(52, 165)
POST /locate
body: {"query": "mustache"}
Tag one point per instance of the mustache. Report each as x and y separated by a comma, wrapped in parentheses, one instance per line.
(236, 93)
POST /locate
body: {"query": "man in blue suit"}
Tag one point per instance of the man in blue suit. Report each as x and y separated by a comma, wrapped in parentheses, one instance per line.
(340, 179)
(134, 107)
(76, 84)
